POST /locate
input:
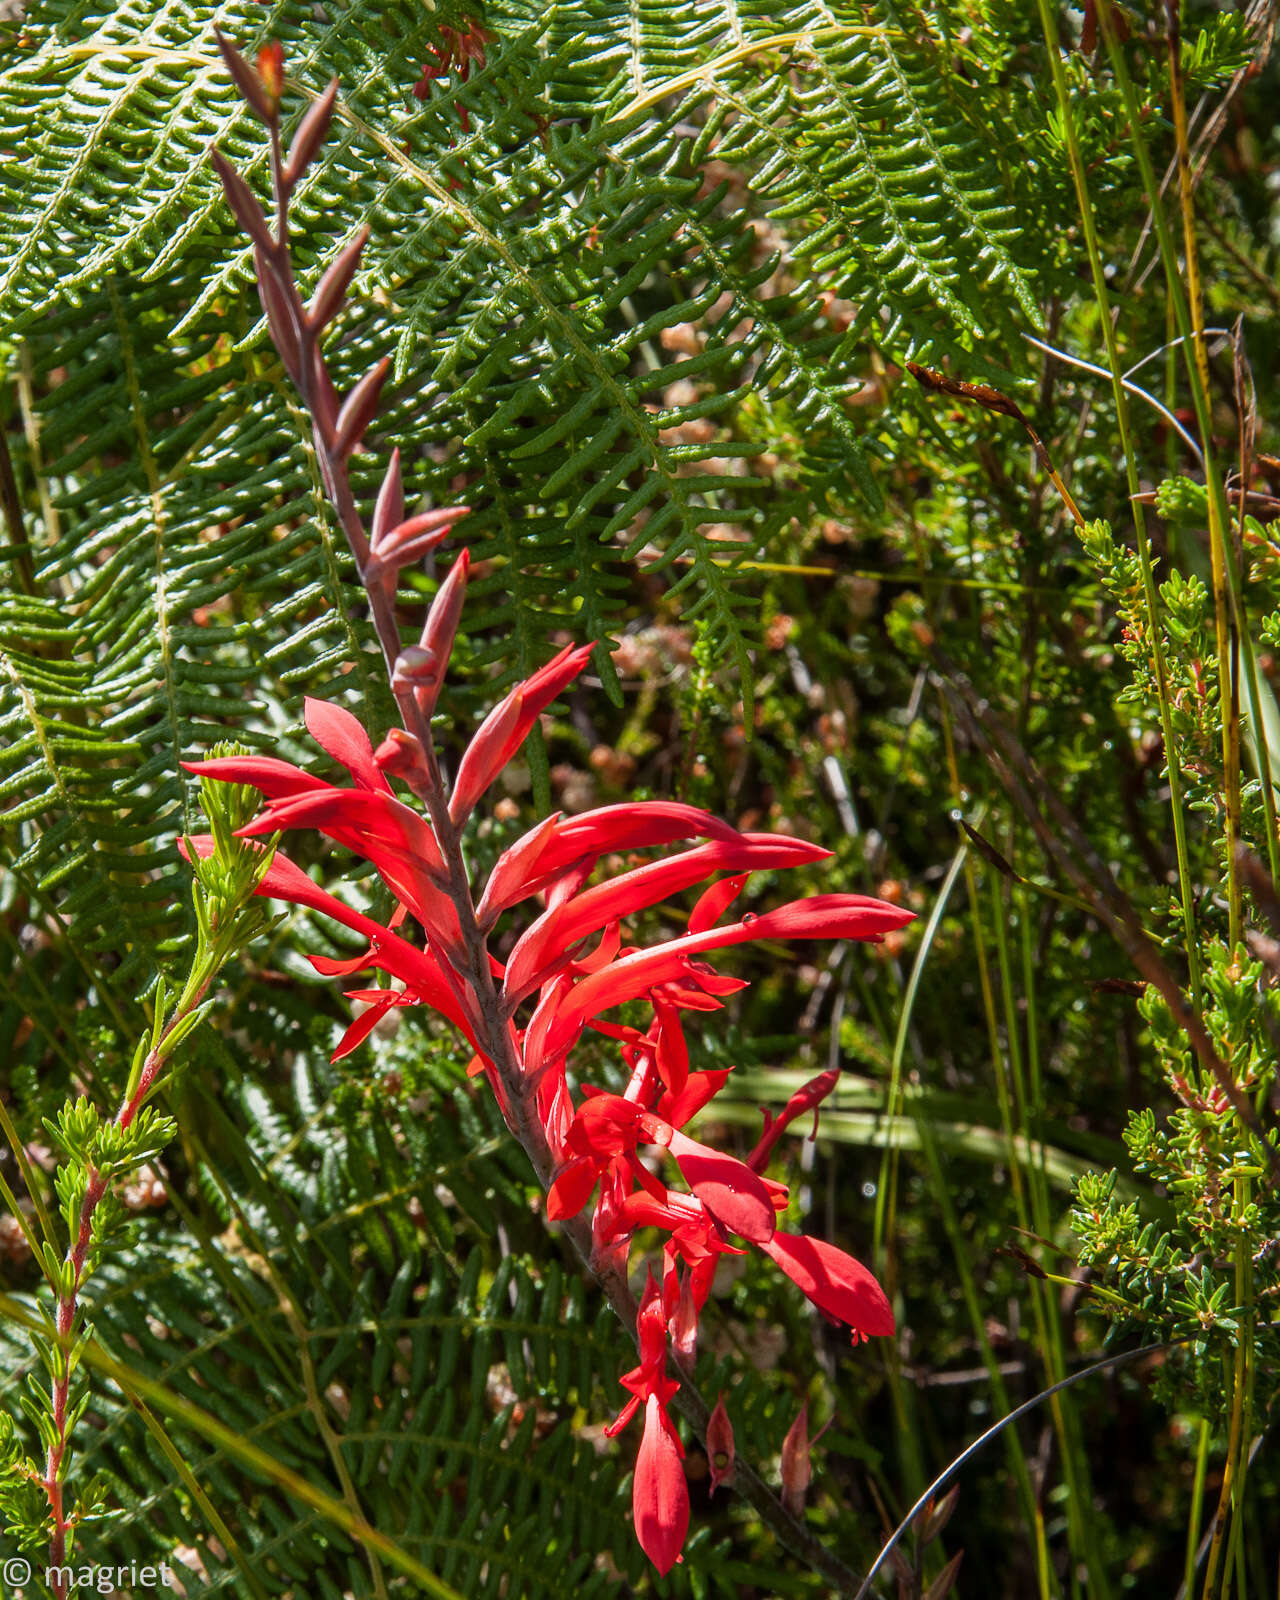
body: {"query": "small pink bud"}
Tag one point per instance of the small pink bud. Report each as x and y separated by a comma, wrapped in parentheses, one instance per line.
(358, 409)
(388, 513)
(441, 627)
(683, 1322)
(401, 755)
(310, 134)
(796, 1467)
(333, 286)
(720, 1453)
(415, 668)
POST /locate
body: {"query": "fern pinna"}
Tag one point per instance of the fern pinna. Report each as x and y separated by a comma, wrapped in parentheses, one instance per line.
(522, 1017)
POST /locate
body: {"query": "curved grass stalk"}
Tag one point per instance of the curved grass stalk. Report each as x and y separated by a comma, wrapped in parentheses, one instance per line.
(983, 1439)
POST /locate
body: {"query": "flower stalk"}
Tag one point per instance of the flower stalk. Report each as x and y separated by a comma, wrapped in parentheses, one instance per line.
(570, 964)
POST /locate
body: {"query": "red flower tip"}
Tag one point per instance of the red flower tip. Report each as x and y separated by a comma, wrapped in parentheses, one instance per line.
(401, 755)
(838, 1285)
(342, 736)
(271, 68)
(660, 1495)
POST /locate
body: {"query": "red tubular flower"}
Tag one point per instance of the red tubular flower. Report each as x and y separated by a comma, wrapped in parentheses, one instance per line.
(659, 1495)
(809, 1098)
(824, 916)
(569, 966)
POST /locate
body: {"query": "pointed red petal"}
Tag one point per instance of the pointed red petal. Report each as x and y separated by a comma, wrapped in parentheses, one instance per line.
(505, 728)
(673, 1051)
(275, 778)
(338, 732)
(329, 968)
(731, 1192)
(834, 1281)
(677, 1109)
(572, 1188)
(364, 1024)
(713, 902)
(515, 866)
(660, 1495)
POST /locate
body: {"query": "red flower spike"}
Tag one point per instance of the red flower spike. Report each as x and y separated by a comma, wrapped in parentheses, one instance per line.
(720, 1452)
(577, 977)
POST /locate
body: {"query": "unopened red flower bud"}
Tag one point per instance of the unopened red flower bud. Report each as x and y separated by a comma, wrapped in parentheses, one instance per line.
(796, 1468)
(401, 755)
(415, 667)
(271, 69)
(720, 1452)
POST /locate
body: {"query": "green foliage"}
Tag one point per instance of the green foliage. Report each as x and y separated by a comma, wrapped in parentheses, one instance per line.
(526, 270)
(1198, 1267)
(648, 277)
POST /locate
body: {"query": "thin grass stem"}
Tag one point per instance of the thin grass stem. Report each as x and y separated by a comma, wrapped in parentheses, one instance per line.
(1049, 24)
